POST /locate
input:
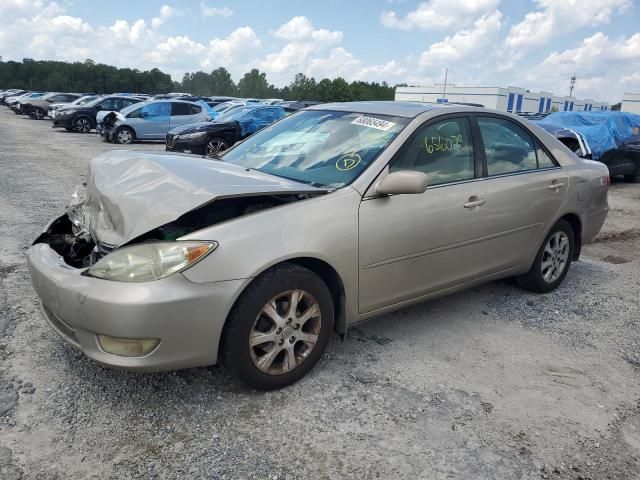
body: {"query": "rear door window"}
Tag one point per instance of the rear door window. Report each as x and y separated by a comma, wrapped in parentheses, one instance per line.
(442, 149)
(179, 108)
(508, 147)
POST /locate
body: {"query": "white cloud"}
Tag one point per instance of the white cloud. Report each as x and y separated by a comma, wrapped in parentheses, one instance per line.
(439, 14)
(166, 12)
(303, 42)
(559, 17)
(604, 67)
(215, 11)
(465, 42)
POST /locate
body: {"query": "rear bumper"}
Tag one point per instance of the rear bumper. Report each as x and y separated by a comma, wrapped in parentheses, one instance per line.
(187, 317)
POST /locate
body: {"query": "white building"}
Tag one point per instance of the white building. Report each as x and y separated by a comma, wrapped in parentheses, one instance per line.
(509, 99)
(630, 102)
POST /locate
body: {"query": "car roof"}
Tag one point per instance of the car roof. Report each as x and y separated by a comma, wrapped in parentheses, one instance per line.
(396, 109)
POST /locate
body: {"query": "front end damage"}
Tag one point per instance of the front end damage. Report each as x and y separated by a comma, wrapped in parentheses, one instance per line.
(142, 200)
(133, 197)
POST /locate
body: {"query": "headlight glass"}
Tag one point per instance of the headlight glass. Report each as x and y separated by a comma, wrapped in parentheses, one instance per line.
(192, 136)
(150, 261)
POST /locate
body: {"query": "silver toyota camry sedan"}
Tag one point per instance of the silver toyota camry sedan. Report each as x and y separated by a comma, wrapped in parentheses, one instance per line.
(328, 217)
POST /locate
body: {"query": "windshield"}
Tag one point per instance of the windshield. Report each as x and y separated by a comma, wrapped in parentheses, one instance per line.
(83, 100)
(222, 106)
(320, 148)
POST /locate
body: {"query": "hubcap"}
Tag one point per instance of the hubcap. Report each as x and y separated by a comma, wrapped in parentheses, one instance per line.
(124, 136)
(215, 146)
(555, 257)
(285, 332)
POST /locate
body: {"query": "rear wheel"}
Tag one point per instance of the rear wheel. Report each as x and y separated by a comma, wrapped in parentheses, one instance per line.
(279, 328)
(552, 261)
(37, 113)
(215, 146)
(124, 136)
(82, 125)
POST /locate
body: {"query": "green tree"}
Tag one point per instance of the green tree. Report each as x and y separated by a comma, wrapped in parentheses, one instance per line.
(222, 83)
(255, 84)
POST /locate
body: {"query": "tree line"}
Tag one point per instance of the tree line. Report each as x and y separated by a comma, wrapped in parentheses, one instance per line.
(91, 77)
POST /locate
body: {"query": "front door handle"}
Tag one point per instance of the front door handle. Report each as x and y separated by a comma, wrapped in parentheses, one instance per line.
(555, 186)
(475, 203)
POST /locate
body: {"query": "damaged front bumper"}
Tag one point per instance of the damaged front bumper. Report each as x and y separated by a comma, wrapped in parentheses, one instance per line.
(186, 317)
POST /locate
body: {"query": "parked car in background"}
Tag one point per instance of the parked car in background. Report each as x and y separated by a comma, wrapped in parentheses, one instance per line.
(212, 138)
(10, 93)
(53, 108)
(150, 120)
(38, 108)
(15, 103)
(333, 215)
(82, 118)
(612, 138)
(101, 115)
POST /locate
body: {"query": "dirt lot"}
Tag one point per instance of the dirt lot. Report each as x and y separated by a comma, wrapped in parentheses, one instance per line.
(493, 382)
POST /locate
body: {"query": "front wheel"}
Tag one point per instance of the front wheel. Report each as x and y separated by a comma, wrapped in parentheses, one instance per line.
(37, 113)
(552, 261)
(82, 125)
(124, 136)
(215, 146)
(279, 328)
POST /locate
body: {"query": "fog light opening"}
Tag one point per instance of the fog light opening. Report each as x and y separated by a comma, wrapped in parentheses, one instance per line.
(127, 347)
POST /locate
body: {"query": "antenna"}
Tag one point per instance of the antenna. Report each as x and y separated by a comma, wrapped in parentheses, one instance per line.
(572, 84)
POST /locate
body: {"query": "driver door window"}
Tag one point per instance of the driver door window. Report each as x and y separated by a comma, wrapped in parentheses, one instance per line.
(443, 150)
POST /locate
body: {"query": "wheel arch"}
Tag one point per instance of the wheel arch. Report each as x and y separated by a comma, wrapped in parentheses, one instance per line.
(576, 224)
(327, 274)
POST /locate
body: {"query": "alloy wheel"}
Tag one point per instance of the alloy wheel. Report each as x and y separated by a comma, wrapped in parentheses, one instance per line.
(555, 257)
(214, 147)
(285, 332)
(82, 125)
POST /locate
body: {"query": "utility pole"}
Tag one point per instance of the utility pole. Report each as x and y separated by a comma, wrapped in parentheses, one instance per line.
(572, 84)
(444, 89)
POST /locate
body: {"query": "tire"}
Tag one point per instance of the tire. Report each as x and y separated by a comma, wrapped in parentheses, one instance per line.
(37, 113)
(634, 177)
(81, 125)
(552, 261)
(215, 146)
(124, 136)
(281, 359)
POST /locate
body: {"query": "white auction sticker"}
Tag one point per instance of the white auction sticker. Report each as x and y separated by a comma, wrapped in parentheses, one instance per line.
(372, 122)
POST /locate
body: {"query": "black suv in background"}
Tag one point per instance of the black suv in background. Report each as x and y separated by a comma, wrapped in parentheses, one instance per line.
(82, 118)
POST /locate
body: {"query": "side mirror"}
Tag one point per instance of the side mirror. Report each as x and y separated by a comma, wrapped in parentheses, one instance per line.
(402, 182)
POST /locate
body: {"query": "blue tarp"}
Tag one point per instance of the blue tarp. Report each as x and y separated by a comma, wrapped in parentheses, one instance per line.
(210, 111)
(602, 131)
(252, 118)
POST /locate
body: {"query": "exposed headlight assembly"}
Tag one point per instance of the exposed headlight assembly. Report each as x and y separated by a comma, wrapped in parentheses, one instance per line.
(150, 261)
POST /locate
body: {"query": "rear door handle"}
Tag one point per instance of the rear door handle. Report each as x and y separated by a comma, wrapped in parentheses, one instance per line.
(555, 186)
(475, 203)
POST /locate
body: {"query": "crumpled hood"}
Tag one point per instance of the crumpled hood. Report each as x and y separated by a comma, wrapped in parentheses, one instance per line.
(130, 192)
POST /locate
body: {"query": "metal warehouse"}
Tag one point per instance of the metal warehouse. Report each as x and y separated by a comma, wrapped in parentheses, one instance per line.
(630, 102)
(509, 99)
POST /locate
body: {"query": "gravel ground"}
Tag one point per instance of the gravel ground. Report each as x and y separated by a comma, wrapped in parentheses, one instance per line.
(493, 382)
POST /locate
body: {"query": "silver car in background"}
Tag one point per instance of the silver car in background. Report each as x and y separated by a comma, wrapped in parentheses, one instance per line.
(150, 120)
(333, 215)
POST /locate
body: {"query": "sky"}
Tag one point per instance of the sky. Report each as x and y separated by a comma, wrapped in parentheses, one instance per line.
(534, 44)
